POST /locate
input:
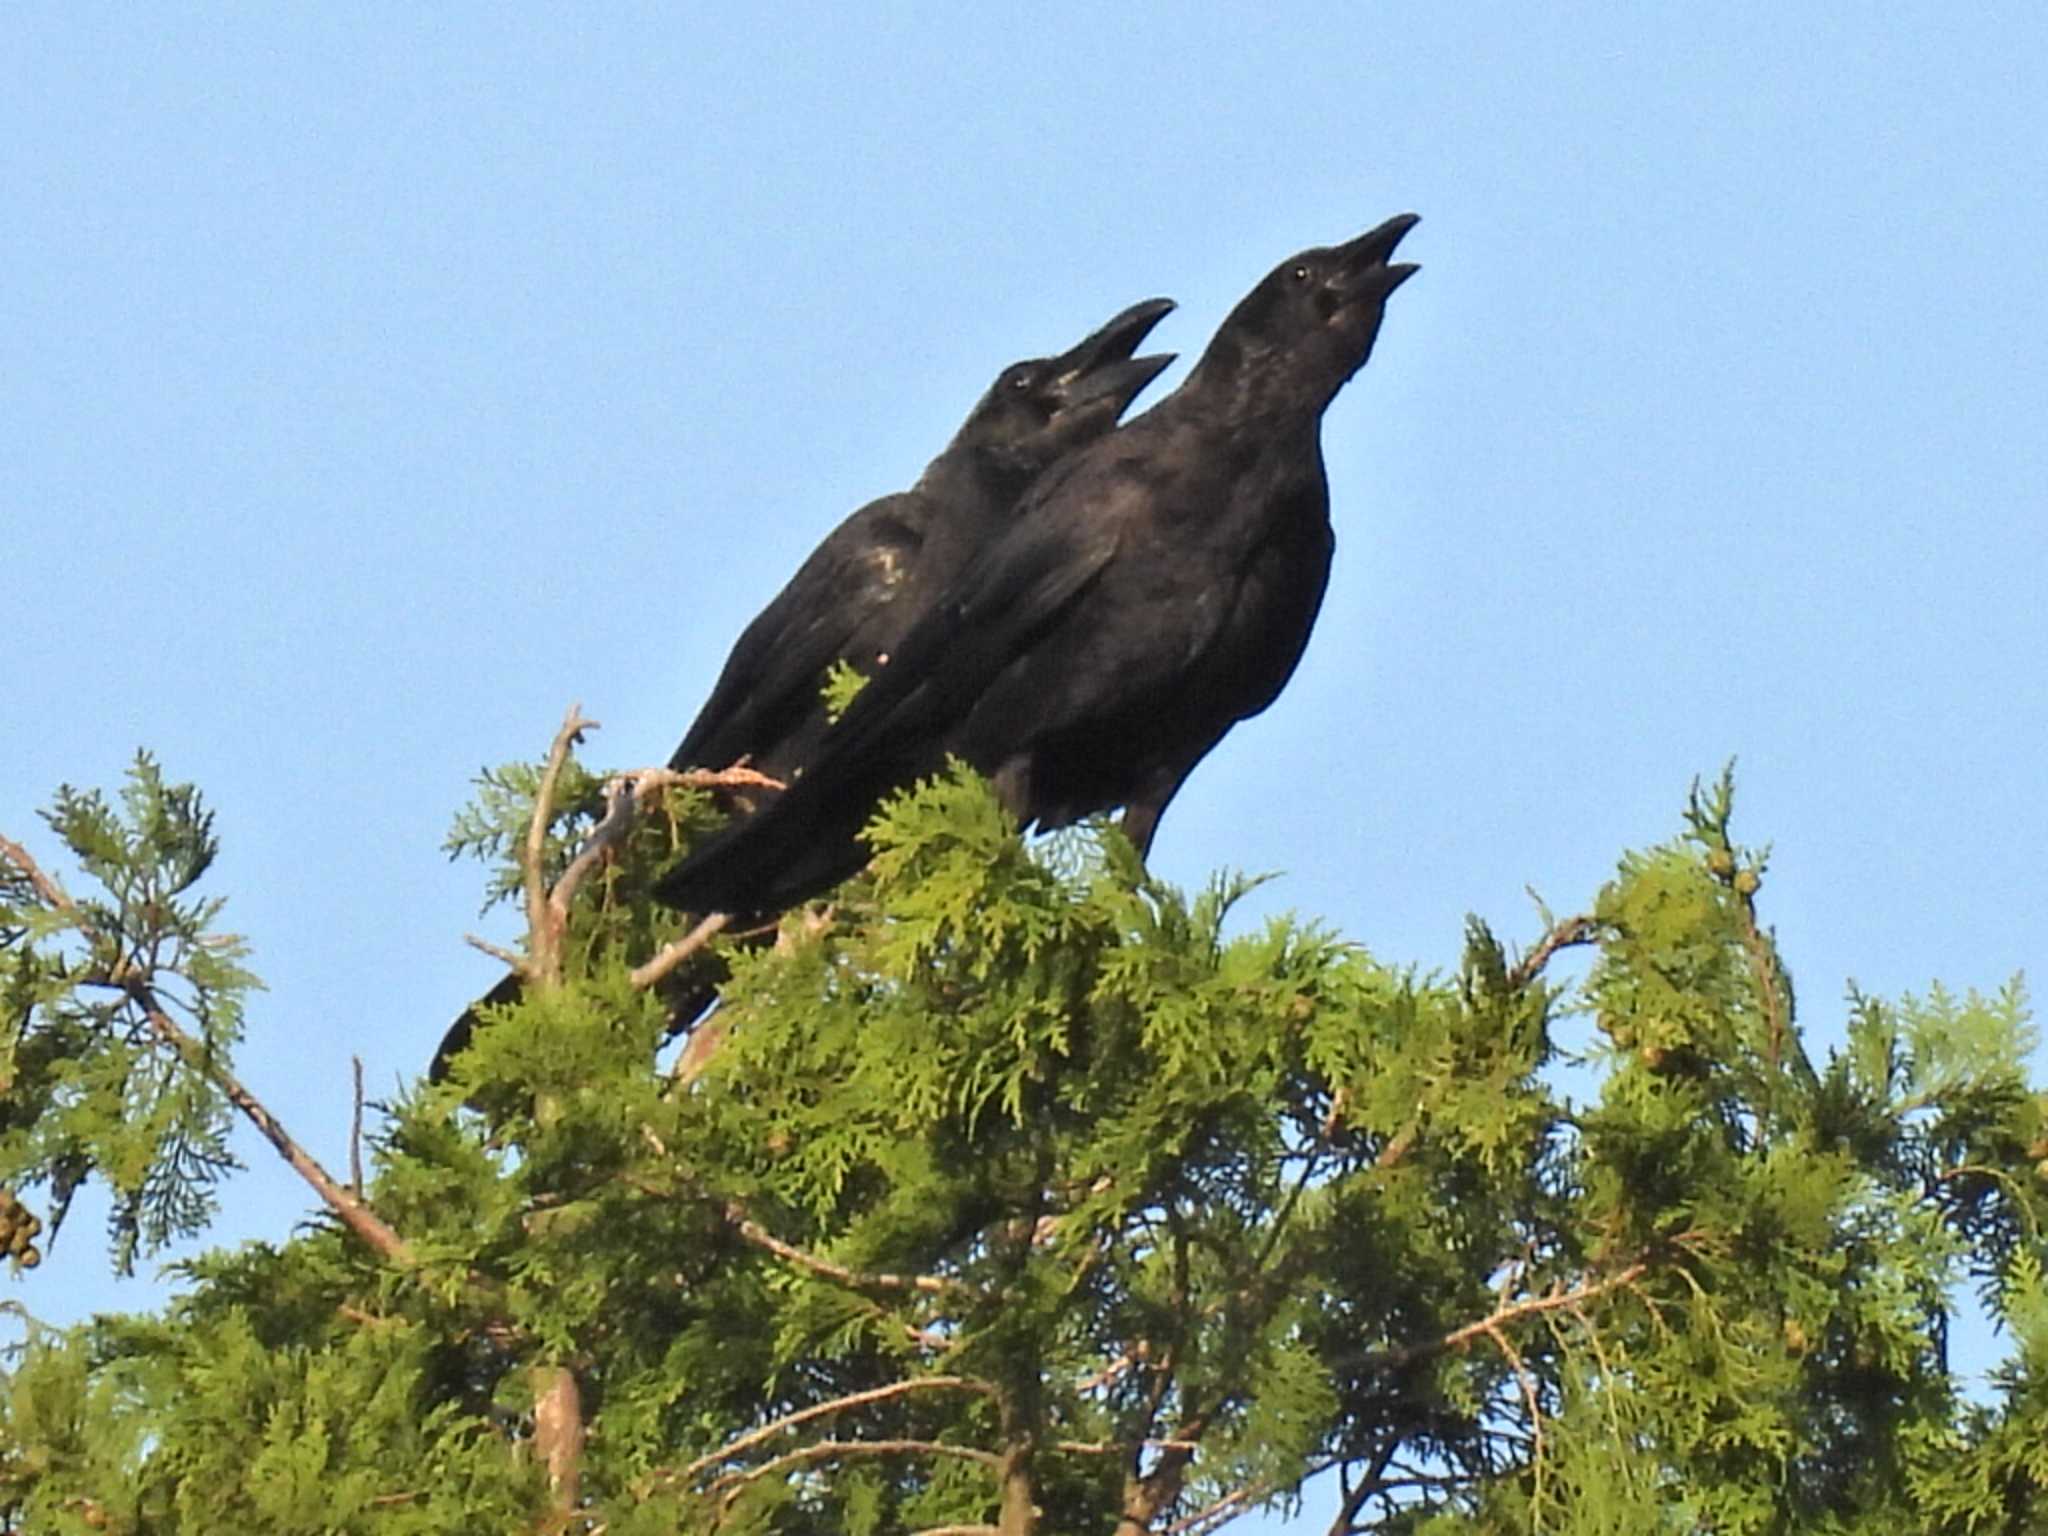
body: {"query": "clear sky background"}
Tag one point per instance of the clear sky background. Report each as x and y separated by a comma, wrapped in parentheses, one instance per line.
(376, 382)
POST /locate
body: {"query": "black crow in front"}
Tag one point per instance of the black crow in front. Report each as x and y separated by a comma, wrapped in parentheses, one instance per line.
(1153, 589)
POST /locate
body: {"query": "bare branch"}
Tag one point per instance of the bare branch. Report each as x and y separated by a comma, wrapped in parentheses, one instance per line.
(355, 1131)
(626, 796)
(558, 1436)
(1573, 931)
(543, 931)
(47, 888)
(674, 953)
(833, 1450)
(1555, 1299)
(517, 963)
(767, 1432)
(854, 1280)
(696, 1056)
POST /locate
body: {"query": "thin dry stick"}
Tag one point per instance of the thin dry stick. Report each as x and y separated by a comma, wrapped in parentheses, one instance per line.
(1565, 935)
(355, 1132)
(1367, 1486)
(673, 954)
(1513, 1312)
(831, 1450)
(626, 796)
(543, 932)
(853, 1280)
(768, 1432)
(357, 1216)
(512, 962)
(694, 1057)
(1528, 1386)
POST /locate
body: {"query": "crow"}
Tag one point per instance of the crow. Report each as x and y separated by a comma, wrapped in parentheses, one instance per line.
(1153, 589)
(871, 579)
(864, 587)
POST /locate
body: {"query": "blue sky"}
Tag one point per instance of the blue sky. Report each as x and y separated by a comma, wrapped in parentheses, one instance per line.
(375, 382)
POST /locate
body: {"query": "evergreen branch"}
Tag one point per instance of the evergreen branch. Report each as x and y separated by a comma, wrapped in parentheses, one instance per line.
(121, 977)
(767, 1432)
(832, 1450)
(931, 1285)
(958, 1530)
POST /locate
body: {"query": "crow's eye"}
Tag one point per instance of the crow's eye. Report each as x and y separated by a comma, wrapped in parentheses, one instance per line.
(1302, 273)
(1019, 383)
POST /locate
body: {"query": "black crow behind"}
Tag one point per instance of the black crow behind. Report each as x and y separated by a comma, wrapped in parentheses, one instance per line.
(1152, 590)
(863, 588)
(867, 584)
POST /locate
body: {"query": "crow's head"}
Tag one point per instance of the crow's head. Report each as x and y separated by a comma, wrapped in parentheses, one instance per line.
(1310, 324)
(1037, 411)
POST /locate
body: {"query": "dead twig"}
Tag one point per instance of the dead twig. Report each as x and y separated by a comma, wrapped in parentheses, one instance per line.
(543, 928)
(1570, 933)
(355, 1132)
(767, 1432)
(833, 1450)
(1554, 1299)
(674, 953)
(854, 1280)
(512, 962)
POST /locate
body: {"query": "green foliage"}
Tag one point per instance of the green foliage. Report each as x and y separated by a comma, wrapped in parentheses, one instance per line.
(1008, 1172)
(107, 1003)
(842, 681)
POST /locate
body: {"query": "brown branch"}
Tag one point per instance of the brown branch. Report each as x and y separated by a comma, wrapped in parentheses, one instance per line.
(1507, 1313)
(768, 1432)
(1118, 1447)
(51, 892)
(1368, 1485)
(354, 1214)
(355, 1131)
(517, 963)
(854, 1280)
(1528, 1385)
(958, 1530)
(558, 1436)
(543, 930)
(1568, 934)
(694, 1057)
(831, 1450)
(674, 953)
(1770, 975)
(626, 796)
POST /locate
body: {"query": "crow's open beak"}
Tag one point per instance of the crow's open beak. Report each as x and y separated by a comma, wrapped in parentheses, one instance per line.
(1362, 266)
(1113, 342)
